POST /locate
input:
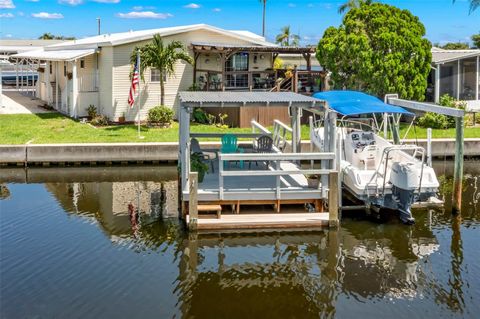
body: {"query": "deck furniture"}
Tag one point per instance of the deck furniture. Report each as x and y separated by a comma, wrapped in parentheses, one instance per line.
(229, 145)
(264, 144)
(207, 156)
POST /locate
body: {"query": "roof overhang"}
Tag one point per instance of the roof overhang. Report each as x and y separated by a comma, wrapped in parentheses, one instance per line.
(446, 56)
(248, 99)
(218, 47)
(54, 55)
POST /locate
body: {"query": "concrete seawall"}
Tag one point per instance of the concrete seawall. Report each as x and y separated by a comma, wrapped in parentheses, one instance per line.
(152, 152)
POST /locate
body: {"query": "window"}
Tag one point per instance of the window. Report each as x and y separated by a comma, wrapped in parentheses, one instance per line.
(64, 69)
(50, 68)
(236, 68)
(155, 76)
(82, 64)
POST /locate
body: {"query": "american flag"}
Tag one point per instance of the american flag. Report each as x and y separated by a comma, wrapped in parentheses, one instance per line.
(135, 83)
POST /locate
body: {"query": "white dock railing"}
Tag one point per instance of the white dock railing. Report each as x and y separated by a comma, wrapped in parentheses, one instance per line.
(273, 171)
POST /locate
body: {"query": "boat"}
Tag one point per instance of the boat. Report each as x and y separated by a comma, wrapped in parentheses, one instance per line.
(374, 171)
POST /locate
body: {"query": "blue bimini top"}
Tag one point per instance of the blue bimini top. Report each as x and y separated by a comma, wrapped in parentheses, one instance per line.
(355, 103)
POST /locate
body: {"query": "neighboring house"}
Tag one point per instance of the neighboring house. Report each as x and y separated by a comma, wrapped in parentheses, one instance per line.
(95, 70)
(457, 73)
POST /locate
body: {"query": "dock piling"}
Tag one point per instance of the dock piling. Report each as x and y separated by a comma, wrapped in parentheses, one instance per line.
(193, 201)
(458, 170)
(333, 198)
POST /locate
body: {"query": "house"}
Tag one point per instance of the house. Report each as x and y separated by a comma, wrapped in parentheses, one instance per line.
(457, 73)
(96, 70)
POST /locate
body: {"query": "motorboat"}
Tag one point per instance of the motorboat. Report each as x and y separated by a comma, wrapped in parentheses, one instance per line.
(373, 170)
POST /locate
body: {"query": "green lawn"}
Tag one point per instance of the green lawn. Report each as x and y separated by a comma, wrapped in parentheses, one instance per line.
(56, 128)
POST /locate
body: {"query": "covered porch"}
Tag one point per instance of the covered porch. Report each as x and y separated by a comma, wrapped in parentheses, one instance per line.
(249, 177)
(68, 80)
(221, 67)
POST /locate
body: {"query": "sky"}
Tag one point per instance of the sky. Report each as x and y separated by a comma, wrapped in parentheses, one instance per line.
(444, 20)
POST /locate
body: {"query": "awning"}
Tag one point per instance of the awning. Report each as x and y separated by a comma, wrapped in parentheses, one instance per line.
(355, 103)
(54, 55)
(240, 98)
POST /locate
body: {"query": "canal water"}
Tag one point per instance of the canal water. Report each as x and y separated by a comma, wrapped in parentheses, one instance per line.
(70, 249)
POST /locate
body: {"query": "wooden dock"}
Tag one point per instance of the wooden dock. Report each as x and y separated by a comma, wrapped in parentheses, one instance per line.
(262, 221)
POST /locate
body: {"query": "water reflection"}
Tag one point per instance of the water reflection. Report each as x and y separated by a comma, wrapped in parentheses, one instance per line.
(363, 266)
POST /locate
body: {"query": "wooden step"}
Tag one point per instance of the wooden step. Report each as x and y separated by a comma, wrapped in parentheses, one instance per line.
(210, 208)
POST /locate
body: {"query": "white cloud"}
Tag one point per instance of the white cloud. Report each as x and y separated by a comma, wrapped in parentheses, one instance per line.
(6, 4)
(141, 8)
(71, 2)
(292, 5)
(46, 15)
(192, 6)
(20, 13)
(144, 15)
(310, 5)
(6, 15)
(32, 0)
(217, 10)
(106, 1)
(8, 35)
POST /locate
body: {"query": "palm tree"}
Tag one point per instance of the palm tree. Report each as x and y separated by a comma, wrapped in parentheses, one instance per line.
(286, 39)
(264, 14)
(350, 4)
(162, 57)
(474, 4)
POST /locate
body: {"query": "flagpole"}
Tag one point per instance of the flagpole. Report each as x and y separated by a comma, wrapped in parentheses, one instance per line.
(138, 99)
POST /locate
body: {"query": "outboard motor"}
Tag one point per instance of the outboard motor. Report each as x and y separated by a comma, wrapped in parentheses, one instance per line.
(404, 181)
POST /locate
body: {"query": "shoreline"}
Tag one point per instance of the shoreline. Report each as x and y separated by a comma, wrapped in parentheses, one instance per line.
(138, 153)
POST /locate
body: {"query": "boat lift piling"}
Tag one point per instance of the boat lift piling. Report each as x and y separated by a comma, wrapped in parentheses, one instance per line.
(459, 134)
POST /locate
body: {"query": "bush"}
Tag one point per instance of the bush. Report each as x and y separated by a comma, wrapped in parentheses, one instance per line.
(92, 111)
(439, 121)
(99, 120)
(160, 114)
(200, 116)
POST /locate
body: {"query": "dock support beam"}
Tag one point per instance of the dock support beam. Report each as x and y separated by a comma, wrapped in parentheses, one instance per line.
(458, 170)
(333, 197)
(193, 201)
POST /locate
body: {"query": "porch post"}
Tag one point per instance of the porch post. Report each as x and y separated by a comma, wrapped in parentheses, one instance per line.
(296, 138)
(56, 85)
(437, 84)
(74, 89)
(458, 79)
(47, 82)
(477, 94)
(222, 61)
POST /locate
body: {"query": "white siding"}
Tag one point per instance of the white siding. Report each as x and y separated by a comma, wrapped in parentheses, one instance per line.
(105, 63)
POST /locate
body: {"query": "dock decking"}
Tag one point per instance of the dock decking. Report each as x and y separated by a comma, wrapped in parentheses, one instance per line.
(262, 221)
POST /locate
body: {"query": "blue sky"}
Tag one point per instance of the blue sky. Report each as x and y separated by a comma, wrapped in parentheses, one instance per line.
(443, 20)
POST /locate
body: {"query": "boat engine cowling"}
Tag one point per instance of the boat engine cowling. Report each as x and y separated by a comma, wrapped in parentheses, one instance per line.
(404, 181)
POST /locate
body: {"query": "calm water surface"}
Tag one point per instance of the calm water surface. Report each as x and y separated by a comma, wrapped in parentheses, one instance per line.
(68, 250)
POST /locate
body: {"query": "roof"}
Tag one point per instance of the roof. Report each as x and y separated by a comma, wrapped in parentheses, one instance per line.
(57, 55)
(351, 103)
(17, 46)
(221, 98)
(443, 56)
(120, 38)
(208, 46)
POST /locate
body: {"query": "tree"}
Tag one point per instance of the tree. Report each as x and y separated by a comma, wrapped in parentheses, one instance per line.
(286, 39)
(474, 4)
(264, 2)
(49, 36)
(162, 57)
(378, 49)
(455, 46)
(476, 40)
(350, 4)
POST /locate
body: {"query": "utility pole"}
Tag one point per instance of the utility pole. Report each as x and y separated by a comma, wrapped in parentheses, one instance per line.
(98, 24)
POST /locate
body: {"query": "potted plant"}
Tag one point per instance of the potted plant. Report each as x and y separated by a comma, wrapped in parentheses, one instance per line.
(313, 181)
(198, 165)
(121, 119)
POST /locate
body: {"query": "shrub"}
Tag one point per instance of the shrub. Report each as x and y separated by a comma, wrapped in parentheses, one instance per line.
(200, 116)
(92, 111)
(160, 114)
(99, 120)
(439, 121)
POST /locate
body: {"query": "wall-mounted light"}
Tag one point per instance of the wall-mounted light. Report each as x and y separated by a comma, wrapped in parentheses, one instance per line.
(207, 60)
(262, 57)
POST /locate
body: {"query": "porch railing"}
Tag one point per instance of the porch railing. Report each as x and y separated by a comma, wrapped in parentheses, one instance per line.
(273, 170)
